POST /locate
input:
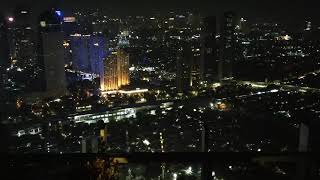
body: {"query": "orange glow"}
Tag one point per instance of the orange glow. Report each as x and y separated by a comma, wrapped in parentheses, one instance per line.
(221, 106)
(19, 103)
(116, 69)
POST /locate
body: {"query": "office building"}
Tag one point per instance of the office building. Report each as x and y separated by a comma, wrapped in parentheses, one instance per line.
(80, 53)
(97, 53)
(208, 65)
(227, 45)
(4, 44)
(52, 52)
(123, 68)
(88, 53)
(69, 25)
(4, 51)
(24, 38)
(116, 71)
(184, 65)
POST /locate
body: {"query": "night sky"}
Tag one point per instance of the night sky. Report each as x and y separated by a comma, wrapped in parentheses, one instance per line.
(287, 11)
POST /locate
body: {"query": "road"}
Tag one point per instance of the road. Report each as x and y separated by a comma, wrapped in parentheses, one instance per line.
(286, 87)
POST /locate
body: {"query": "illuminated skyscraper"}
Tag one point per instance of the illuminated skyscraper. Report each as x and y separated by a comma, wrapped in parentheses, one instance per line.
(110, 81)
(123, 68)
(116, 71)
(52, 52)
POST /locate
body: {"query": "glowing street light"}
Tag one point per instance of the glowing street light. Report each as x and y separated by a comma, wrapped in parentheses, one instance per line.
(10, 19)
(175, 176)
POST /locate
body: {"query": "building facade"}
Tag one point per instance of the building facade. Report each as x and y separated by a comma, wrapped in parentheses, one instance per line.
(227, 45)
(52, 53)
(116, 71)
(88, 53)
(208, 65)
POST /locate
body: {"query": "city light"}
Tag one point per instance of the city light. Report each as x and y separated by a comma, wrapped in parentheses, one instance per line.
(136, 91)
(175, 176)
(69, 19)
(146, 142)
(10, 19)
(59, 13)
(182, 81)
(188, 171)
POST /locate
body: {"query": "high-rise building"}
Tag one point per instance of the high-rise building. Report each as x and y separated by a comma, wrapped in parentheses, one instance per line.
(116, 71)
(24, 34)
(97, 53)
(110, 80)
(80, 53)
(208, 65)
(195, 64)
(52, 52)
(227, 45)
(4, 44)
(21, 38)
(4, 50)
(69, 25)
(88, 53)
(184, 65)
(123, 67)
(194, 20)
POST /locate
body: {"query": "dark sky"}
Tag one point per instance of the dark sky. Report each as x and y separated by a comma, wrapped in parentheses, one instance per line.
(290, 11)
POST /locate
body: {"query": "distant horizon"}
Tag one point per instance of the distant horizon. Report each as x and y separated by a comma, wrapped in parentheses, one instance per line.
(290, 12)
(293, 26)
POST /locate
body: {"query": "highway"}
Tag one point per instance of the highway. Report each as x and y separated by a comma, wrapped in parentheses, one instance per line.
(285, 87)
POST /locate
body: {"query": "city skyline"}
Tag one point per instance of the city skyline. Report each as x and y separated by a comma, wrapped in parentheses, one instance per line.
(248, 8)
(160, 78)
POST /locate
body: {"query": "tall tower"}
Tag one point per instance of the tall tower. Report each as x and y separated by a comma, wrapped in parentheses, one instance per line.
(123, 67)
(4, 51)
(227, 45)
(24, 44)
(97, 53)
(116, 71)
(110, 81)
(208, 63)
(4, 44)
(80, 53)
(88, 53)
(183, 64)
(52, 52)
